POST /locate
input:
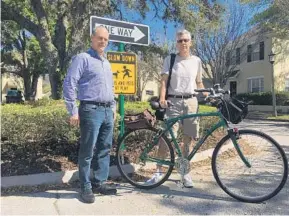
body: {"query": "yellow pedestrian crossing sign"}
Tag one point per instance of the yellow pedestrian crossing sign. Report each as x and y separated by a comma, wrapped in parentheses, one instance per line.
(124, 69)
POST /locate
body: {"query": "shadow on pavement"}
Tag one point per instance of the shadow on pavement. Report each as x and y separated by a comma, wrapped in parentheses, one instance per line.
(167, 192)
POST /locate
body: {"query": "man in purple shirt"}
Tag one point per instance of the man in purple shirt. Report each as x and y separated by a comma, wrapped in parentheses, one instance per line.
(90, 74)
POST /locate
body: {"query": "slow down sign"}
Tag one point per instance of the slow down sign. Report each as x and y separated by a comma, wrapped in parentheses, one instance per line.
(120, 31)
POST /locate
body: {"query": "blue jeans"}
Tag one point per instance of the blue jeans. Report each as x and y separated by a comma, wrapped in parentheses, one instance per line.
(96, 132)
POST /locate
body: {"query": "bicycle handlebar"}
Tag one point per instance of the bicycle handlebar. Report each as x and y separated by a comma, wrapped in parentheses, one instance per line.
(215, 92)
(203, 90)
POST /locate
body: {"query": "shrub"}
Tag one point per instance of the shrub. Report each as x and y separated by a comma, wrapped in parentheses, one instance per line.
(39, 139)
(23, 124)
(265, 98)
(46, 121)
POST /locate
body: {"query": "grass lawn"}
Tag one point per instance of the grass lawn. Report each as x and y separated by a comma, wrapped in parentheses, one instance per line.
(206, 108)
(281, 117)
(140, 106)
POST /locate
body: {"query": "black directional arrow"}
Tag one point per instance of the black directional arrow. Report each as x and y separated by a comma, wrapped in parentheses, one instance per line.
(120, 31)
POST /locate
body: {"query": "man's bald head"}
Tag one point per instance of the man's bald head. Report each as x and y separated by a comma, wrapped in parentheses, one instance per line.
(99, 29)
(99, 39)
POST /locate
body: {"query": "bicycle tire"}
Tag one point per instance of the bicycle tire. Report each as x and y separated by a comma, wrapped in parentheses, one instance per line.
(243, 198)
(127, 178)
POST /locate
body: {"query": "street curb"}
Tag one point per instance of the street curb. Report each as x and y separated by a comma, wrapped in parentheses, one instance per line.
(47, 178)
(273, 120)
(72, 175)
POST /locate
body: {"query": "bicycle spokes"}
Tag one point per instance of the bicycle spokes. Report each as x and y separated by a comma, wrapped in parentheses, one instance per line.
(262, 179)
(149, 162)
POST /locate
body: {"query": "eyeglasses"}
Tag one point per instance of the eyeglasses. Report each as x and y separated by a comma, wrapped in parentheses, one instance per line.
(183, 40)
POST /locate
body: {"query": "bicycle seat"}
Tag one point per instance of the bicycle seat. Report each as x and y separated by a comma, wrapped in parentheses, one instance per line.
(155, 105)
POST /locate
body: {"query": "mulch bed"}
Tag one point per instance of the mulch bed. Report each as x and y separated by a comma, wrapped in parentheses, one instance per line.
(53, 157)
(37, 158)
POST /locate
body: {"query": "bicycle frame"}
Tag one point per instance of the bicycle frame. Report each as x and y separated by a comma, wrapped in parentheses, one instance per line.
(171, 121)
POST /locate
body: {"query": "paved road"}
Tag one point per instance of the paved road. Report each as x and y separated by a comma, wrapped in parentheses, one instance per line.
(205, 198)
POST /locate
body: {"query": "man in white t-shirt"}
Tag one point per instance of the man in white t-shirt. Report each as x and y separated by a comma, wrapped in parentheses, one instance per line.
(186, 76)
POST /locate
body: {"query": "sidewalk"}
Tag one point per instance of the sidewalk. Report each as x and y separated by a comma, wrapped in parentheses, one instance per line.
(257, 115)
(168, 199)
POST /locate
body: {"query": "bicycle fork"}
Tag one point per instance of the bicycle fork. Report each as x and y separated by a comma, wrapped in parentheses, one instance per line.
(235, 136)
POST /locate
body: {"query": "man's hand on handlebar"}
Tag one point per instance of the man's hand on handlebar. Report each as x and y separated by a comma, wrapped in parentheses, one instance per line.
(206, 94)
(163, 103)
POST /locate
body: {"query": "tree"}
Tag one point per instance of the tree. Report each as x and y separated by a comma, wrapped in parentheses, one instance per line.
(150, 62)
(22, 53)
(62, 26)
(217, 47)
(148, 70)
(190, 14)
(274, 15)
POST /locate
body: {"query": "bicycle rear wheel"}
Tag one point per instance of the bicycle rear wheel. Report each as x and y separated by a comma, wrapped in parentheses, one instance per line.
(266, 176)
(140, 168)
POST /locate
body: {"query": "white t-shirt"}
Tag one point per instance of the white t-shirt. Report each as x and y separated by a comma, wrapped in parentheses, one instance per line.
(187, 71)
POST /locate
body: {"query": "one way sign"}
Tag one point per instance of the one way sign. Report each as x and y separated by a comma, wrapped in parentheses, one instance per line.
(120, 31)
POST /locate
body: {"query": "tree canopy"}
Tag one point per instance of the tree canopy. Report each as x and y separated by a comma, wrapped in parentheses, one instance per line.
(61, 27)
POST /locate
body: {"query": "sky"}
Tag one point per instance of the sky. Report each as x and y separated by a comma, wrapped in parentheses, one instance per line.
(159, 33)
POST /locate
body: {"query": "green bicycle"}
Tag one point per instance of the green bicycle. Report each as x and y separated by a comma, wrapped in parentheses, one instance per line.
(248, 165)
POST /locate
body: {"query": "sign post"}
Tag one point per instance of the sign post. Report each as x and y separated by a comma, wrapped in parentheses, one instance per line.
(121, 102)
(124, 69)
(123, 64)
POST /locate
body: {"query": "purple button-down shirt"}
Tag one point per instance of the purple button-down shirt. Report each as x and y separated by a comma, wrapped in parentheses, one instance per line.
(89, 74)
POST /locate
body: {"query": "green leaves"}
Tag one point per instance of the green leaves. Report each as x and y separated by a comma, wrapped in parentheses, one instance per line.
(22, 124)
(274, 15)
(265, 98)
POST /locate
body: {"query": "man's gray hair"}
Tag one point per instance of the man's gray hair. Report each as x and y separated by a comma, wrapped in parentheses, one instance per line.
(95, 29)
(183, 32)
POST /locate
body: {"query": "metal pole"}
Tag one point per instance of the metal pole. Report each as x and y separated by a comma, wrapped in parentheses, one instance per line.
(121, 102)
(273, 92)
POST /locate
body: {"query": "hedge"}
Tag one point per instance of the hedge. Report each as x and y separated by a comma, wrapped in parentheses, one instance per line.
(265, 98)
(47, 121)
(36, 137)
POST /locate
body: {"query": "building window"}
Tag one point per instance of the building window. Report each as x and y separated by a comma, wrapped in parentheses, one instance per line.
(227, 59)
(149, 92)
(249, 53)
(255, 56)
(287, 84)
(256, 84)
(262, 50)
(238, 57)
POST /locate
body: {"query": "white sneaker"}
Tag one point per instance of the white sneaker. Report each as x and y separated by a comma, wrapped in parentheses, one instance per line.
(188, 181)
(155, 178)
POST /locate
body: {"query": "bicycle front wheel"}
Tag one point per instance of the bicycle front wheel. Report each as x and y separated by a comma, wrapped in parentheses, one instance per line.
(142, 162)
(263, 179)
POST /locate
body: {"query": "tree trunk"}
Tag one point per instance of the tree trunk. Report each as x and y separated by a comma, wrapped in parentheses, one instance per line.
(55, 79)
(27, 84)
(34, 86)
(25, 70)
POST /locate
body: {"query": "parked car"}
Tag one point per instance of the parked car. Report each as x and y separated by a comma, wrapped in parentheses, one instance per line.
(14, 96)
